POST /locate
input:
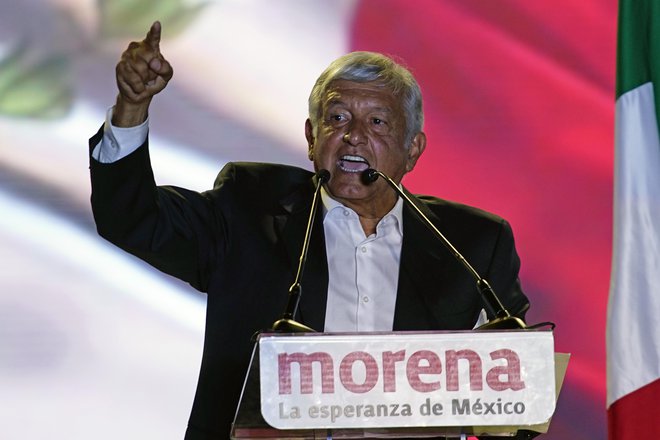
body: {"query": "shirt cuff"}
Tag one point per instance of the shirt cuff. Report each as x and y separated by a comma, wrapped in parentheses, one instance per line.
(483, 318)
(119, 142)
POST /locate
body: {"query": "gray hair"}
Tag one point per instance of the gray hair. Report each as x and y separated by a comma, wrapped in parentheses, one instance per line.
(367, 67)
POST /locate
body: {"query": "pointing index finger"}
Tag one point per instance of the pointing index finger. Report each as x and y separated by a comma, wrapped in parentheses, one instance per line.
(153, 37)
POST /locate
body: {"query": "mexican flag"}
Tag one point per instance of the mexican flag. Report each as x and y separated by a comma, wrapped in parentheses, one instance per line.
(633, 334)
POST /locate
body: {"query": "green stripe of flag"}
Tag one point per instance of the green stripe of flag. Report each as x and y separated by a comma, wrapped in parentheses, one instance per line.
(638, 37)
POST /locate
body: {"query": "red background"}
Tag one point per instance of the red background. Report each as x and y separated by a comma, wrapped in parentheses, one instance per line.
(519, 105)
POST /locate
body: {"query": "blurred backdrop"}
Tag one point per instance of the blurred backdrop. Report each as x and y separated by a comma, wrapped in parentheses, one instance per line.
(519, 116)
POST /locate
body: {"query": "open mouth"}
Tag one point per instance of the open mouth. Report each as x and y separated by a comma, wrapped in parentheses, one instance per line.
(352, 164)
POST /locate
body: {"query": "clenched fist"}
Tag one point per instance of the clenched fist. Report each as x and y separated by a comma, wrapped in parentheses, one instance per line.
(141, 73)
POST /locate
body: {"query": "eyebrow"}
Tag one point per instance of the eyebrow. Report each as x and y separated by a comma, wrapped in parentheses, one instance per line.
(338, 102)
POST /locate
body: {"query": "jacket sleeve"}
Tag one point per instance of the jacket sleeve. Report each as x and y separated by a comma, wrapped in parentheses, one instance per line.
(503, 273)
(178, 231)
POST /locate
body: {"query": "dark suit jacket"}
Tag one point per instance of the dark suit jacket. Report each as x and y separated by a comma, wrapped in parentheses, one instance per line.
(240, 242)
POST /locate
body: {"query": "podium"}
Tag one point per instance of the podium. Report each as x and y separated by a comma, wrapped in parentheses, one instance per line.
(399, 385)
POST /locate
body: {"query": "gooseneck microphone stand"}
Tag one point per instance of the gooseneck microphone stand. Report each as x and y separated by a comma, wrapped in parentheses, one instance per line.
(503, 319)
(287, 323)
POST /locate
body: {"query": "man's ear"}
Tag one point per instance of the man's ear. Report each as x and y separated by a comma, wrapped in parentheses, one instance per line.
(415, 150)
(309, 134)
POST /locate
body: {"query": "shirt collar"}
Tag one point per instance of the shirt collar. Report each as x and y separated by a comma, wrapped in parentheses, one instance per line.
(329, 204)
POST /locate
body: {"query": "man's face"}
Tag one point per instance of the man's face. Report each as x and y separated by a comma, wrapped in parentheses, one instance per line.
(362, 125)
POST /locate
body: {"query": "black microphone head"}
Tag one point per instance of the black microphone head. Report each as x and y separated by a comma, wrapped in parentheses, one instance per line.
(369, 176)
(323, 175)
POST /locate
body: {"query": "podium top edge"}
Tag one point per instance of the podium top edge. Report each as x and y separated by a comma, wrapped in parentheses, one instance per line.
(406, 332)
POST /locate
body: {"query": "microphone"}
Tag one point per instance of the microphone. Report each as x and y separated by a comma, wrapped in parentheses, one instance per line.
(287, 323)
(503, 319)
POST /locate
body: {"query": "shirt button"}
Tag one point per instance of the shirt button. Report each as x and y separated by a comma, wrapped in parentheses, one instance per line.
(365, 299)
(364, 250)
(345, 212)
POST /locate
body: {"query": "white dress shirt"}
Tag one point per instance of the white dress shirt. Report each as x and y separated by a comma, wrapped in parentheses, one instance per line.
(363, 271)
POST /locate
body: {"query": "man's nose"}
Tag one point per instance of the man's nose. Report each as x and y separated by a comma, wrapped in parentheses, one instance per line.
(355, 134)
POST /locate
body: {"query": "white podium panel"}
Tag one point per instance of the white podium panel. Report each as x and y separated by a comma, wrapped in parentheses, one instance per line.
(344, 381)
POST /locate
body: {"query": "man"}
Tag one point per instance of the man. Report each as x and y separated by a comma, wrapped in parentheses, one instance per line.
(372, 265)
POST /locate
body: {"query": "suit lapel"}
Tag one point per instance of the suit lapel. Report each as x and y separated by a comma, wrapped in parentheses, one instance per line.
(426, 276)
(290, 227)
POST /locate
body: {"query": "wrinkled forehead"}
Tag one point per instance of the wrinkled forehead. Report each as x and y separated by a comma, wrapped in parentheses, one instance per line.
(374, 93)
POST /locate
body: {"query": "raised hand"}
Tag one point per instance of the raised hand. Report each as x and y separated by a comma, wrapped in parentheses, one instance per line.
(141, 73)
